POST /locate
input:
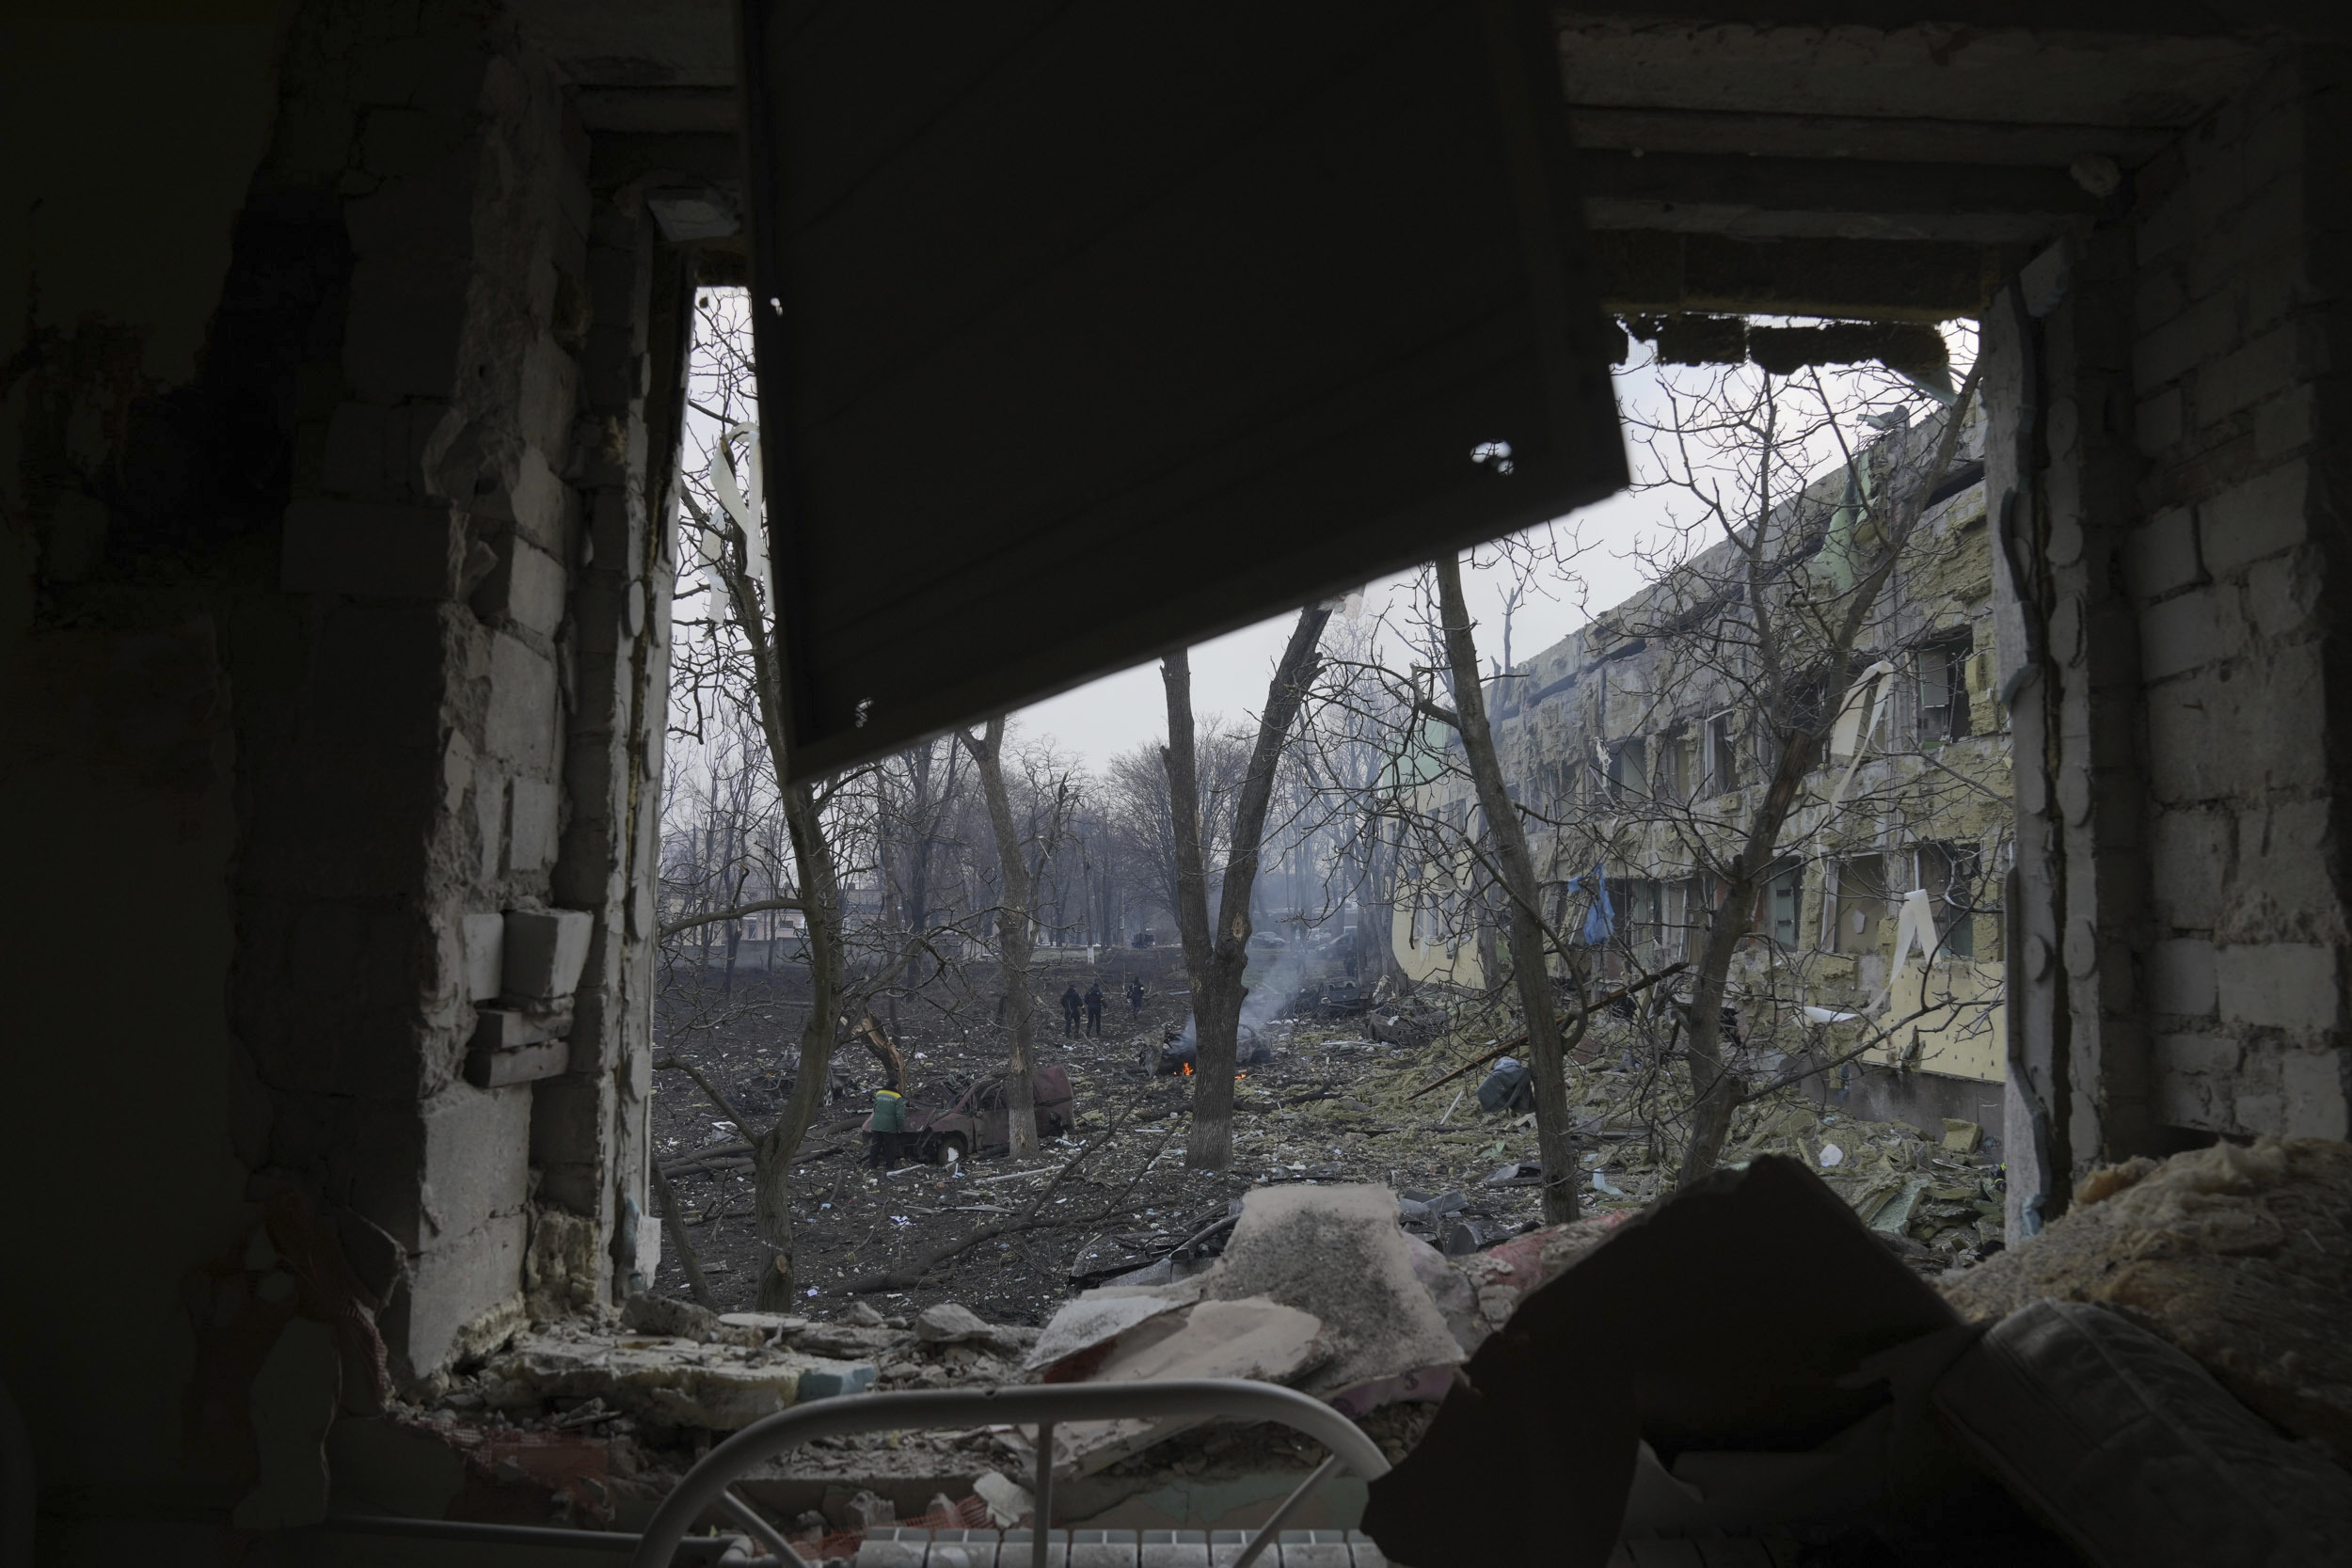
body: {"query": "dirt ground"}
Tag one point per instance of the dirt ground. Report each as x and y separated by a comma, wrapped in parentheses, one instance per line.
(1330, 1105)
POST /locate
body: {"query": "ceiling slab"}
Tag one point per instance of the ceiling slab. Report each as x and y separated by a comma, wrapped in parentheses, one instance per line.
(1084, 334)
(1927, 71)
(1652, 271)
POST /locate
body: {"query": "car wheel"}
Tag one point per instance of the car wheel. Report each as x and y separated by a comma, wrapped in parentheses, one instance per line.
(949, 1149)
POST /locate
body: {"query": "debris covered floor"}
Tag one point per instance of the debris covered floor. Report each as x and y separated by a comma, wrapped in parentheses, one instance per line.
(1333, 1103)
(1368, 1246)
(2197, 1301)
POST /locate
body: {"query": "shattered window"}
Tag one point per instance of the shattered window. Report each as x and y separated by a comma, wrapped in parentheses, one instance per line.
(1944, 688)
(1784, 907)
(1952, 874)
(1628, 769)
(1862, 905)
(1673, 775)
(1722, 754)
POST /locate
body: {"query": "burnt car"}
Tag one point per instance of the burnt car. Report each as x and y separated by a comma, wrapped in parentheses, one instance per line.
(975, 1120)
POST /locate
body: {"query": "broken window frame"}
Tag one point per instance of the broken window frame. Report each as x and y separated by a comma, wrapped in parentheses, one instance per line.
(1786, 876)
(1940, 664)
(1722, 736)
(1864, 892)
(1938, 865)
(1629, 767)
(1670, 778)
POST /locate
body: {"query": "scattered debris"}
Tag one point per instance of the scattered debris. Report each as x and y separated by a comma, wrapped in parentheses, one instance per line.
(679, 1383)
(1008, 1502)
(1252, 1337)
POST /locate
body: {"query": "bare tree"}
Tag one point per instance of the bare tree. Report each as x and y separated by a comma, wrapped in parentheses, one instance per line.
(1013, 935)
(1514, 874)
(1780, 610)
(1216, 957)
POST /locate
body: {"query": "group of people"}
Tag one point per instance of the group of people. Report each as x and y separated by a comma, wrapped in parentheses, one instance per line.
(1092, 1004)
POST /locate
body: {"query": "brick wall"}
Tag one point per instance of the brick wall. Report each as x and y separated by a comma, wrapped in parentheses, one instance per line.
(456, 673)
(2238, 412)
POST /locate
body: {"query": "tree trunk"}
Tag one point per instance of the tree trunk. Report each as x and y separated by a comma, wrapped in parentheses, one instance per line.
(772, 1154)
(1555, 1134)
(1012, 939)
(821, 900)
(1214, 959)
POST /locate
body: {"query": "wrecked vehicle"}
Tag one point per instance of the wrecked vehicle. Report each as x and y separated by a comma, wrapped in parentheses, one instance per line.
(1180, 1052)
(976, 1120)
(1331, 1002)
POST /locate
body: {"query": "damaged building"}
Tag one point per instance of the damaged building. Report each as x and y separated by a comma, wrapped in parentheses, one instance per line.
(339, 463)
(1641, 745)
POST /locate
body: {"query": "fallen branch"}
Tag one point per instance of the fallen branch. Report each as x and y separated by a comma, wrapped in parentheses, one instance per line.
(1510, 1045)
(674, 1226)
(674, 927)
(706, 1154)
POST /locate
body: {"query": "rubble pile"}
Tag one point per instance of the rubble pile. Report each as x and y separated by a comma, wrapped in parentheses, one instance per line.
(1850, 1406)
(1941, 1191)
(2241, 1256)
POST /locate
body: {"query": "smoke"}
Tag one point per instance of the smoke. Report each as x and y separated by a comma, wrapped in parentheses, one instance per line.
(1273, 980)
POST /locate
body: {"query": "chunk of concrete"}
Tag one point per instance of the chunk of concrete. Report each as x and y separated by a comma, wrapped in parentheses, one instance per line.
(512, 1028)
(495, 1070)
(1252, 1337)
(711, 1387)
(665, 1315)
(545, 951)
(950, 1324)
(1336, 1253)
(835, 1380)
(1008, 1501)
(486, 955)
(1090, 1322)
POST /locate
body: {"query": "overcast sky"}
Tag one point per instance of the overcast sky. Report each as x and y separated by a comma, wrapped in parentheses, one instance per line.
(1230, 675)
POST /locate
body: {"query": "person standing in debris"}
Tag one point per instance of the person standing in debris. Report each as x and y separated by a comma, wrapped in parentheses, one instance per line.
(1135, 994)
(888, 1126)
(1094, 1008)
(1072, 1005)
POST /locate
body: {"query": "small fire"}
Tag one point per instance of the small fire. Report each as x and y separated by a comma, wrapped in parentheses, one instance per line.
(1185, 1070)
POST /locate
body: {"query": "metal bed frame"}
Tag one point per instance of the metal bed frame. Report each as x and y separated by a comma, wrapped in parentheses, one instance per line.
(1044, 1406)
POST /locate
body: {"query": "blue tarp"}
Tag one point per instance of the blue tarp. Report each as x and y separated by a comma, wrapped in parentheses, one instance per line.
(1600, 920)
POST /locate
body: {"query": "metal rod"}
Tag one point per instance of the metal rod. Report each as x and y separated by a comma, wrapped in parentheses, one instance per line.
(1043, 1514)
(1282, 1515)
(700, 1548)
(768, 1535)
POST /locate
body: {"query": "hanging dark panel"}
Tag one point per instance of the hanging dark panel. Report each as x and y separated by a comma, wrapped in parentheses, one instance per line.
(1089, 329)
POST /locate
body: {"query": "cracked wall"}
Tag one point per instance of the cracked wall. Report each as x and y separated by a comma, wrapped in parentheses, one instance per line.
(337, 439)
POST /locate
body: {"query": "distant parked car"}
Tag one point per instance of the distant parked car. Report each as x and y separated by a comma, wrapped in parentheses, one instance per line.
(977, 1122)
